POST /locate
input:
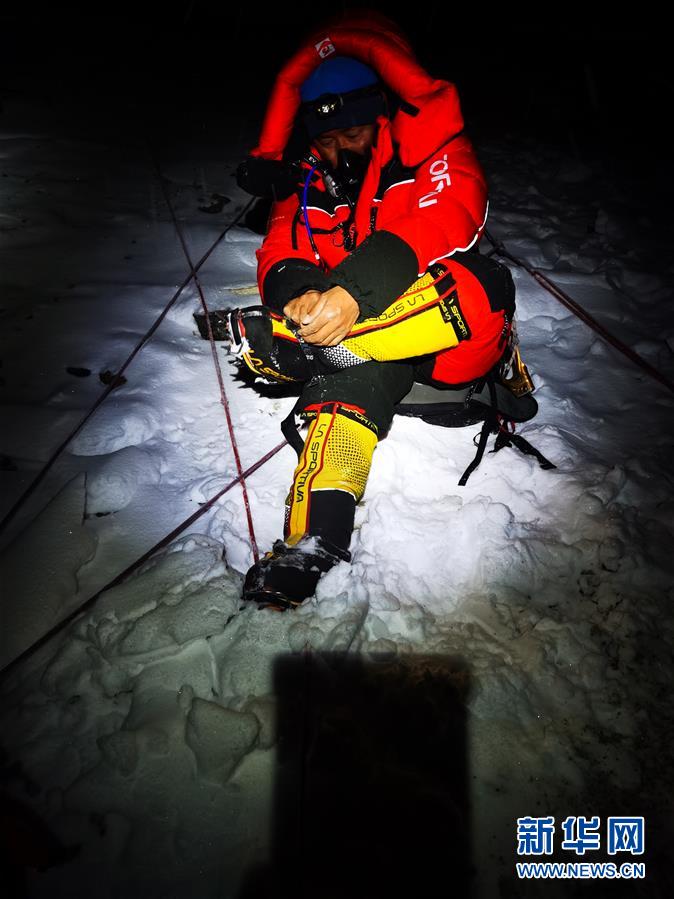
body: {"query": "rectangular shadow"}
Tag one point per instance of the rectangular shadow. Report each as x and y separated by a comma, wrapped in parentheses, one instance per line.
(371, 786)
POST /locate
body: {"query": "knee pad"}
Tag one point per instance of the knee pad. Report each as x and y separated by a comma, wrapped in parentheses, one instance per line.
(264, 342)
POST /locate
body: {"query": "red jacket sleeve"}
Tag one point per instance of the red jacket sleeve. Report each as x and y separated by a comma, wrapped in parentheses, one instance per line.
(443, 211)
(287, 265)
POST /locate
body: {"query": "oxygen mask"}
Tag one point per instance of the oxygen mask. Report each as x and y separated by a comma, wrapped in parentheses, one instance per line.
(345, 180)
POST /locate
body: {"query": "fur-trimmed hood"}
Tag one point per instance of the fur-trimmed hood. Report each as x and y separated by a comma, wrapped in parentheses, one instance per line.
(429, 115)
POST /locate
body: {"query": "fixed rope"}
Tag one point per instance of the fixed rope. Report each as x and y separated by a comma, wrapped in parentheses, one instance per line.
(580, 312)
(239, 479)
(88, 603)
(117, 378)
(214, 352)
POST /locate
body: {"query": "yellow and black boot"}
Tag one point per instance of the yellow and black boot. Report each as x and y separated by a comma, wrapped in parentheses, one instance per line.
(262, 339)
(329, 480)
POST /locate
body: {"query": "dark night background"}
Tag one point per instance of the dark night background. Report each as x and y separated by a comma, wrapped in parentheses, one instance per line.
(599, 86)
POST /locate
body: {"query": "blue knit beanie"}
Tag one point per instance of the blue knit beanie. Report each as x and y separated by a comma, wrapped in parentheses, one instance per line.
(340, 93)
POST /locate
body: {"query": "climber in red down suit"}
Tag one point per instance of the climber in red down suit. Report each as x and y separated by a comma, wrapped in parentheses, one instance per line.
(369, 272)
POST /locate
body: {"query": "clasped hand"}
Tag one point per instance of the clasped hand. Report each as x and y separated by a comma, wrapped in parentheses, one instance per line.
(324, 318)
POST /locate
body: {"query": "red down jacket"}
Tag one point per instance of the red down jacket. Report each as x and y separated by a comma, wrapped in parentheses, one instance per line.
(424, 190)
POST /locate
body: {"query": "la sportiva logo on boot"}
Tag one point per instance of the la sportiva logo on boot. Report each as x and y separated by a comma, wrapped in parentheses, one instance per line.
(325, 48)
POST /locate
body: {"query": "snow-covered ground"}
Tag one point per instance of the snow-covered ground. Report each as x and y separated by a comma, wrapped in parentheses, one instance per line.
(147, 733)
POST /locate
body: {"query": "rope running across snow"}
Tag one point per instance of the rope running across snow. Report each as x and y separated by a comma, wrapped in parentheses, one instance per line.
(87, 604)
(239, 479)
(500, 249)
(116, 380)
(214, 351)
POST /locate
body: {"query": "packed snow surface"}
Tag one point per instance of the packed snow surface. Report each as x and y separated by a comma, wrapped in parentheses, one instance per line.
(147, 733)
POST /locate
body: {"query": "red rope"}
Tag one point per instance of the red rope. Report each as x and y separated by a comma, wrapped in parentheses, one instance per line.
(239, 479)
(214, 352)
(114, 383)
(140, 561)
(582, 314)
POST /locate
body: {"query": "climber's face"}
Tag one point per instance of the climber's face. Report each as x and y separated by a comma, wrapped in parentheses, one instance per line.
(359, 139)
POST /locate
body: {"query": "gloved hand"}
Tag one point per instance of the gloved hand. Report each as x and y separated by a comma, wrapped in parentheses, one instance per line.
(269, 178)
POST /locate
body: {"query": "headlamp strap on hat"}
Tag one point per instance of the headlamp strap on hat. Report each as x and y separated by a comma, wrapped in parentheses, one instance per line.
(327, 105)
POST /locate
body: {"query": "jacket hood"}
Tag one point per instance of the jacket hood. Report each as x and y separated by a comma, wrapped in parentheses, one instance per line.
(430, 112)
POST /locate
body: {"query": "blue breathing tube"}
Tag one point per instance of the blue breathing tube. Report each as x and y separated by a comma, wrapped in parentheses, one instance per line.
(306, 216)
